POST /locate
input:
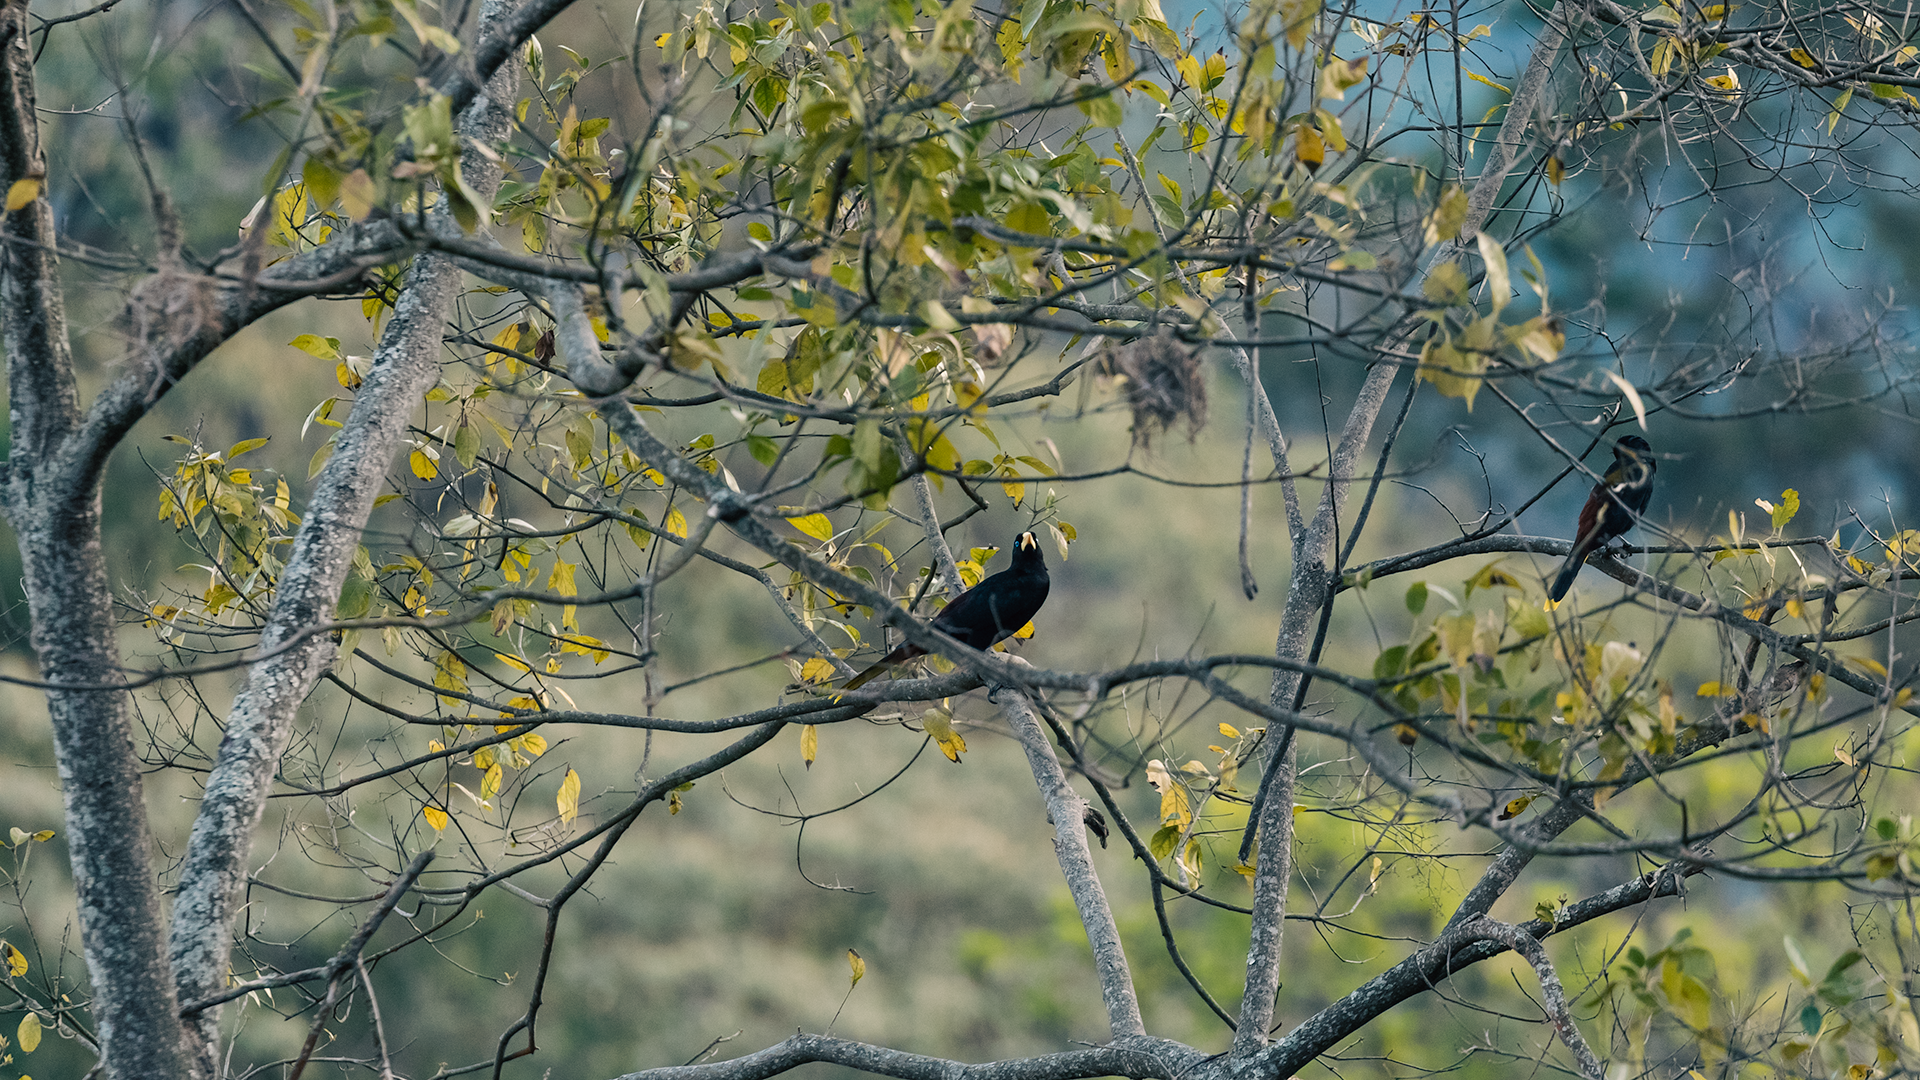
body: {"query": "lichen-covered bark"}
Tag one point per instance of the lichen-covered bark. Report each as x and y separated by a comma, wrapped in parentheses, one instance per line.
(406, 365)
(56, 513)
(1067, 812)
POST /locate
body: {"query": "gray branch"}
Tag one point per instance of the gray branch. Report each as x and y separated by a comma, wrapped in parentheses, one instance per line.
(1136, 1056)
(1067, 811)
(1554, 994)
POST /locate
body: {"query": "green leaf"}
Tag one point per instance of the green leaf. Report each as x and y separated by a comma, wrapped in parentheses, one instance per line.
(1163, 841)
(326, 348)
(322, 180)
(1390, 663)
(1031, 218)
(1847, 960)
(466, 446)
(868, 443)
(356, 596)
(1445, 284)
(1104, 110)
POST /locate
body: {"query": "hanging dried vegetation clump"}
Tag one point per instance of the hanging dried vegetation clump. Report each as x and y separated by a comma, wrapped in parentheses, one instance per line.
(1163, 384)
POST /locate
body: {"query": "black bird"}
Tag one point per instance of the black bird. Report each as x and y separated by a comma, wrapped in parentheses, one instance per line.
(1616, 502)
(986, 614)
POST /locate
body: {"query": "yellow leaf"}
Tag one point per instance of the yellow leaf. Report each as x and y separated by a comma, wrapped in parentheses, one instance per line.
(357, 194)
(29, 1032)
(584, 644)
(569, 798)
(677, 522)
(1229, 731)
(1484, 81)
(245, 446)
(1725, 85)
(858, 966)
(490, 783)
(817, 526)
(1789, 506)
(1189, 69)
(1297, 16)
(1448, 215)
(23, 192)
(450, 675)
(1175, 808)
(1308, 146)
(435, 816)
(810, 749)
(533, 743)
(940, 727)
(816, 670)
(16, 960)
(1869, 665)
(423, 464)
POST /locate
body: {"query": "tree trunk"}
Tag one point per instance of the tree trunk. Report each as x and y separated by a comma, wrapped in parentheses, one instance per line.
(51, 498)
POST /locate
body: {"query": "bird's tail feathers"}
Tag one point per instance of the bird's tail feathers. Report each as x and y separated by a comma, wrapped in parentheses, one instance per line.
(1560, 584)
(880, 665)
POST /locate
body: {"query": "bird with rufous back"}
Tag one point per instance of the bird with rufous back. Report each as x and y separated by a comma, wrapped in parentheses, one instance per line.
(986, 614)
(1615, 503)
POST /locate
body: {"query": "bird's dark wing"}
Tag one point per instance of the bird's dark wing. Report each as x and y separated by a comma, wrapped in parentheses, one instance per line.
(1589, 535)
(993, 610)
(1015, 607)
(1612, 507)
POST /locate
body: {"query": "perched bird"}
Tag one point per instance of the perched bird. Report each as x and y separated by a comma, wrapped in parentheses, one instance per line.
(986, 614)
(1616, 502)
